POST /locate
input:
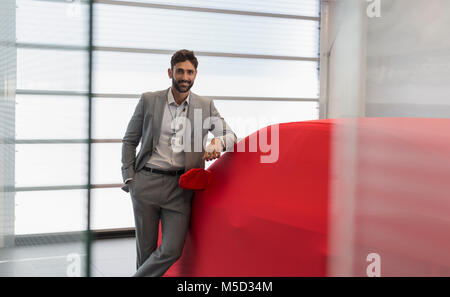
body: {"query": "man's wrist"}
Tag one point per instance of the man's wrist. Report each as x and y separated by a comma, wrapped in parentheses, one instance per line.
(221, 142)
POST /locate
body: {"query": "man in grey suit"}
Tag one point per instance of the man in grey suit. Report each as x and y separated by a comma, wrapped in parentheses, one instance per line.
(172, 126)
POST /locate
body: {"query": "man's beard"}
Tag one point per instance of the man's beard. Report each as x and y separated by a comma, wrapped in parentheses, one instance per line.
(179, 88)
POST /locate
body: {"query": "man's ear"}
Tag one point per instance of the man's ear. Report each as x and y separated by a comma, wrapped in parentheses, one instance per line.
(169, 71)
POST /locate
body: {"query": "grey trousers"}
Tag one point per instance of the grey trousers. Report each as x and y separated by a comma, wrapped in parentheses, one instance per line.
(158, 197)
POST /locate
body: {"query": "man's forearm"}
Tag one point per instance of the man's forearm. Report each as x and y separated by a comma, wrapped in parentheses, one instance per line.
(128, 161)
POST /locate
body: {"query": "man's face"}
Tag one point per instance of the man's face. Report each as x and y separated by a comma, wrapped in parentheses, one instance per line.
(183, 76)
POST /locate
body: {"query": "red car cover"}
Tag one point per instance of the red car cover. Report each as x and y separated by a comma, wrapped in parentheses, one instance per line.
(251, 218)
(262, 219)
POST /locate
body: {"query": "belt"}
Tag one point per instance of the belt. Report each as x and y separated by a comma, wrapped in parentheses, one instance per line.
(166, 172)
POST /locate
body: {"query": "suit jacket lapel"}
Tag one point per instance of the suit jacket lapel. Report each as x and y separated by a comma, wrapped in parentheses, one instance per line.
(193, 105)
(190, 116)
(158, 113)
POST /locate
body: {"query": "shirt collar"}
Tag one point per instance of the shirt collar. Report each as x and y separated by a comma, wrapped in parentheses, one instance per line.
(171, 99)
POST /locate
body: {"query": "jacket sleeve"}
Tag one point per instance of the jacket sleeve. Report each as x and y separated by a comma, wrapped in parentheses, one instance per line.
(220, 129)
(130, 141)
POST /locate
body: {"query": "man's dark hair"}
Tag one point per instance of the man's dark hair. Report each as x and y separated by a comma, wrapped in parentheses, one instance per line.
(183, 55)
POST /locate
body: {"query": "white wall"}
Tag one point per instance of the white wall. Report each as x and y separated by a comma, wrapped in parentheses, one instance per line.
(408, 59)
(347, 56)
(395, 65)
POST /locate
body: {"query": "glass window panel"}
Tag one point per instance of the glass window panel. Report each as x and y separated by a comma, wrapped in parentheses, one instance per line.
(60, 70)
(257, 78)
(51, 164)
(111, 116)
(138, 27)
(246, 117)
(111, 208)
(107, 164)
(50, 211)
(63, 23)
(293, 7)
(132, 73)
(51, 117)
(51, 22)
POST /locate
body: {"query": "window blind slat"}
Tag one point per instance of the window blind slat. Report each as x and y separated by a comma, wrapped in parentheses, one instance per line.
(200, 31)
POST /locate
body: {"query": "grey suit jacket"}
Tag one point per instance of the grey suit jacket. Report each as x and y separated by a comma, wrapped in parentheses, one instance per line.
(145, 127)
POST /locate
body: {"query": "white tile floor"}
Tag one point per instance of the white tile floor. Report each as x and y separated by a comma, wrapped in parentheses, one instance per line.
(114, 257)
(110, 257)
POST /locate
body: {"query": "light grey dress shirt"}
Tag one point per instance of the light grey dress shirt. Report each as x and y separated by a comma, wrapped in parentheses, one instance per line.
(164, 157)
